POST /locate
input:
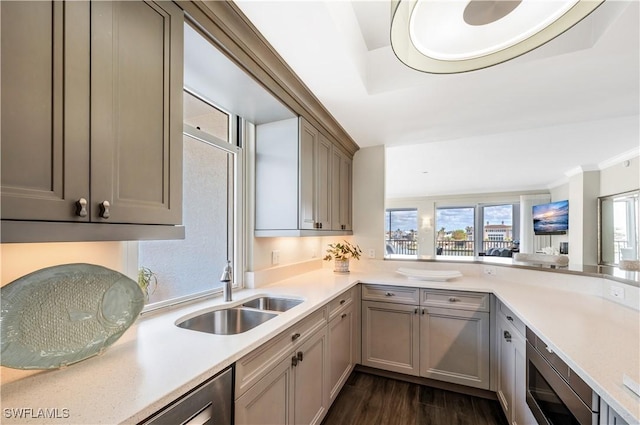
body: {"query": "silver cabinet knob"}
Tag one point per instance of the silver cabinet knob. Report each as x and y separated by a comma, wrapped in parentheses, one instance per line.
(81, 207)
(104, 209)
(549, 350)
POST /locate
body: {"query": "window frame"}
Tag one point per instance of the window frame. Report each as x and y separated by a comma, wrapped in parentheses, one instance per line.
(235, 203)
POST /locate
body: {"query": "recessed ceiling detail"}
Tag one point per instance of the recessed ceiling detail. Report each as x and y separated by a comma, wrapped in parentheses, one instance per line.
(445, 37)
(483, 12)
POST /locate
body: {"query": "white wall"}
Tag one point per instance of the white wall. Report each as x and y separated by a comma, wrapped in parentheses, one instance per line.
(620, 177)
(368, 201)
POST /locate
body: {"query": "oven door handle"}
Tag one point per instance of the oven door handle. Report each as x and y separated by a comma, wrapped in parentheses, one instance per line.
(569, 398)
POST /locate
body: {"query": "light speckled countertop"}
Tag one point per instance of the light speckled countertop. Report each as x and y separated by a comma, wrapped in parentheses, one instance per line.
(155, 361)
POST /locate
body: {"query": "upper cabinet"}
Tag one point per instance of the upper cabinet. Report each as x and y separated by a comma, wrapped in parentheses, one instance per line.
(92, 115)
(303, 181)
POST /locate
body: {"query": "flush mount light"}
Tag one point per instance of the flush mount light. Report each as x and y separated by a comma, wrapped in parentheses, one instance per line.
(451, 36)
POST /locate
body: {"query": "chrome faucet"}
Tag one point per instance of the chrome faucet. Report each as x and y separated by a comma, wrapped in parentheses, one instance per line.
(226, 280)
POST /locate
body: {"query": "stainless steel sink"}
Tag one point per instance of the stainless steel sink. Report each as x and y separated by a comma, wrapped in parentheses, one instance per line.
(272, 303)
(229, 321)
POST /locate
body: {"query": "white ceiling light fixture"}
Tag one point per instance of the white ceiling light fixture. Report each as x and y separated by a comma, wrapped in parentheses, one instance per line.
(453, 36)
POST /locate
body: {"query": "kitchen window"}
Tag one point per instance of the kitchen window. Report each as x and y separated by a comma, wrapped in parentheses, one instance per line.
(192, 267)
(482, 229)
(401, 231)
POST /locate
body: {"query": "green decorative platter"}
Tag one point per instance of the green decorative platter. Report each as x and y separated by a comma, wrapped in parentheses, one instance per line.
(61, 315)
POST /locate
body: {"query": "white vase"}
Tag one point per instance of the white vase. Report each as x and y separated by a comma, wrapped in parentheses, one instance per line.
(341, 266)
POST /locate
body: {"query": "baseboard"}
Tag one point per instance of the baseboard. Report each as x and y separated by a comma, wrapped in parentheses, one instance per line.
(462, 389)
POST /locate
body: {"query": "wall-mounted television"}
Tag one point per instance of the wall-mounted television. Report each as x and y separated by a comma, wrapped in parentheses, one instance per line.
(551, 219)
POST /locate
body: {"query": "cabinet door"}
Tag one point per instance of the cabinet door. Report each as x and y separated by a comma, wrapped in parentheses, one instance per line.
(390, 337)
(340, 191)
(341, 354)
(506, 357)
(311, 397)
(45, 109)
(454, 346)
(136, 111)
(323, 180)
(308, 140)
(270, 400)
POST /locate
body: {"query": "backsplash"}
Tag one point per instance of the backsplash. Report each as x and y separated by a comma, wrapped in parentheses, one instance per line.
(20, 259)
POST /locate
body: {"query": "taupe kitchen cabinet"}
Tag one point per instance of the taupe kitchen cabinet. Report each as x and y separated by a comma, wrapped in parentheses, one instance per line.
(455, 337)
(512, 366)
(608, 416)
(391, 328)
(341, 190)
(285, 381)
(297, 182)
(92, 115)
(342, 331)
(437, 334)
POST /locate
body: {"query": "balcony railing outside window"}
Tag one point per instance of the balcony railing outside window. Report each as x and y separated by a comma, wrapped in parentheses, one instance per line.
(465, 248)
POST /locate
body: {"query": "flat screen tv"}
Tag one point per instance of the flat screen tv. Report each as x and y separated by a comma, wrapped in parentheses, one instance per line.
(551, 219)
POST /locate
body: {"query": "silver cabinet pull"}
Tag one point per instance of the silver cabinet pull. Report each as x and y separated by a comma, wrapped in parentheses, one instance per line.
(549, 350)
(390, 294)
(295, 336)
(81, 207)
(507, 336)
(104, 209)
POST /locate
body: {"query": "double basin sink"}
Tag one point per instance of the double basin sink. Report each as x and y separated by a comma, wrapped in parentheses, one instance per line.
(235, 320)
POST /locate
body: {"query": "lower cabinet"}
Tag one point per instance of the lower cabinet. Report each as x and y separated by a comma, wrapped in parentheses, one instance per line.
(608, 416)
(512, 368)
(443, 335)
(294, 377)
(341, 329)
(294, 392)
(390, 337)
(454, 346)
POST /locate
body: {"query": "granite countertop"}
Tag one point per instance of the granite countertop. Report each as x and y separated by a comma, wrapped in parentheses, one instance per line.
(156, 362)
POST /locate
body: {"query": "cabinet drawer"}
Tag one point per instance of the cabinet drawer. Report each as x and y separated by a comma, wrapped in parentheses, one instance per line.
(460, 300)
(512, 318)
(259, 362)
(391, 294)
(341, 302)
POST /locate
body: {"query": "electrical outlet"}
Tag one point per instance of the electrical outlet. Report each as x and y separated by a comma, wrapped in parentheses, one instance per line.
(372, 253)
(617, 292)
(275, 257)
(489, 270)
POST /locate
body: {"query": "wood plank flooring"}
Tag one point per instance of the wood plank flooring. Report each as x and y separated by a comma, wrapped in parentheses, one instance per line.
(373, 400)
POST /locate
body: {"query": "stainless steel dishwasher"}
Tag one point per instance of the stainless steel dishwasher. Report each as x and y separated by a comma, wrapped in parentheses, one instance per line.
(211, 403)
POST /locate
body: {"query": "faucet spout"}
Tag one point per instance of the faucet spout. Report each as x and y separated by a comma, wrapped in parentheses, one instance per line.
(226, 280)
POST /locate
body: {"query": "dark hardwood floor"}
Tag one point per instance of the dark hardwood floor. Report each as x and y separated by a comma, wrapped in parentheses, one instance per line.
(373, 400)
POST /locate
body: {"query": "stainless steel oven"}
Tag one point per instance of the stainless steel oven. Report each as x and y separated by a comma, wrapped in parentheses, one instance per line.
(555, 394)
